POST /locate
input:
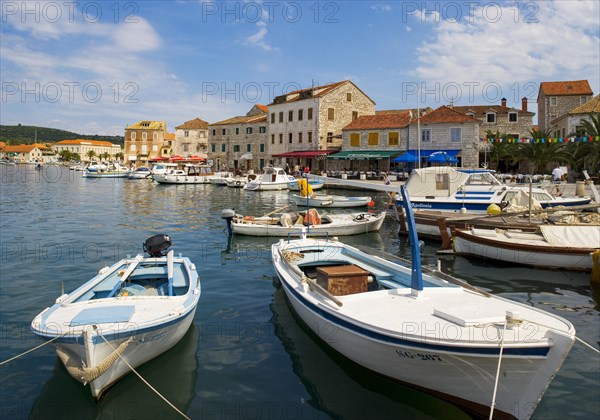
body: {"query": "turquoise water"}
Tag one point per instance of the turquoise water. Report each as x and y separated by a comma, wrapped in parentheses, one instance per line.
(246, 356)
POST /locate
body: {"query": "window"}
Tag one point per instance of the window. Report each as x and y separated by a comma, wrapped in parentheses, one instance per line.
(280, 138)
(291, 116)
(223, 131)
(262, 147)
(272, 118)
(144, 149)
(426, 135)
(272, 138)
(154, 136)
(490, 117)
(455, 134)
(213, 148)
(214, 132)
(281, 117)
(236, 147)
(553, 101)
(299, 137)
(582, 100)
(132, 148)
(237, 130)
(354, 115)
(552, 117)
(144, 135)
(133, 135)
(300, 114)
(373, 139)
(329, 137)
(186, 133)
(348, 97)
(248, 147)
(290, 138)
(355, 139)
(155, 148)
(393, 138)
(223, 147)
(262, 129)
(310, 112)
(512, 117)
(310, 136)
(330, 114)
(248, 130)
(186, 147)
(202, 135)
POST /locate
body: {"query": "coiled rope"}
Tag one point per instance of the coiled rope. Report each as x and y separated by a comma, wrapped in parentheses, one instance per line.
(143, 380)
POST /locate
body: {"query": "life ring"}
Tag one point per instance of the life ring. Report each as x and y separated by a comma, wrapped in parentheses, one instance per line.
(238, 183)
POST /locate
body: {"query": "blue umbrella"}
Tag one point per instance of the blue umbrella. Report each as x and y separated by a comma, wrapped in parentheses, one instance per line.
(441, 157)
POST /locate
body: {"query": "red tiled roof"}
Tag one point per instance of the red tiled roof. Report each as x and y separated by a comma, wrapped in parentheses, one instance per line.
(574, 87)
(482, 110)
(78, 142)
(195, 124)
(312, 92)
(169, 136)
(380, 121)
(263, 108)
(445, 114)
(19, 148)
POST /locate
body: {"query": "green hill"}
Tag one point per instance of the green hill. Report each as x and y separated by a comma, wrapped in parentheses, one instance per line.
(26, 134)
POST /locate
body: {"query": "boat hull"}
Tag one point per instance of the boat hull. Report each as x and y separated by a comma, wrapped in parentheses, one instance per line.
(106, 174)
(337, 201)
(181, 179)
(266, 186)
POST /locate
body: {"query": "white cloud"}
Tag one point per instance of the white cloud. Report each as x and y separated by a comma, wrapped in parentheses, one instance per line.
(258, 39)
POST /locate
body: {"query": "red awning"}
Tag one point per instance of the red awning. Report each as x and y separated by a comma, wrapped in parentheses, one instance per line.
(305, 153)
(157, 158)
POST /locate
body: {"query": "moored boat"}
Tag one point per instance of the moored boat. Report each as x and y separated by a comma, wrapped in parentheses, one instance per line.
(315, 184)
(329, 200)
(133, 310)
(271, 179)
(189, 174)
(141, 173)
(489, 354)
(110, 170)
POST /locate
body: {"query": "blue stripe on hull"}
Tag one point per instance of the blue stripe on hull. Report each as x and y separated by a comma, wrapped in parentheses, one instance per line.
(529, 351)
(456, 206)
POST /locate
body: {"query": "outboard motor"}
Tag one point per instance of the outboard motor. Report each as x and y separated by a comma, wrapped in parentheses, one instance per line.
(155, 245)
(228, 215)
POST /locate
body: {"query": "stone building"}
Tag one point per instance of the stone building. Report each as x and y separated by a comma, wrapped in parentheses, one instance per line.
(307, 123)
(558, 98)
(240, 142)
(191, 138)
(370, 141)
(447, 129)
(515, 123)
(83, 147)
(569, 124)
(145, 140)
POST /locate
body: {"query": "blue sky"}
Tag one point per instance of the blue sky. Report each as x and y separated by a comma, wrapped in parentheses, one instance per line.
(96, 67)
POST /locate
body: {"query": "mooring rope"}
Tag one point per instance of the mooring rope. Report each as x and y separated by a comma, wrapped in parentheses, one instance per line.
(35, 348)
(498, 371)
(144, 381)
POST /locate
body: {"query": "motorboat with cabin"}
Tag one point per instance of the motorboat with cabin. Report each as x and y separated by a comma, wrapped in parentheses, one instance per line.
(273, 178)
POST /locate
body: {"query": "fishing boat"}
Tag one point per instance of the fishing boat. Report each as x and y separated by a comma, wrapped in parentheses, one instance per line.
(110, 170)
(567, 247)
(474, 190)
(307, 198)
(131, 311)
(271, 179)
(188, 174)
(140, 173)
(294, 223)
(315, 184)
(489, 354)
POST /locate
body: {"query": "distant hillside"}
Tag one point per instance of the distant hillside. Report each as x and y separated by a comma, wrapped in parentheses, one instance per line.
(24, 134)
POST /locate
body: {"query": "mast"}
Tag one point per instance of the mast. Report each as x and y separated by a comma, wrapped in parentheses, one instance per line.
(418, 128)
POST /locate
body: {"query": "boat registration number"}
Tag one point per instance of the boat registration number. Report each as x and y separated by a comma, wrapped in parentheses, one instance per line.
(419, 356)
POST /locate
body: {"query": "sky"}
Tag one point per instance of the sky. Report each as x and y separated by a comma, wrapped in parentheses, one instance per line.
(97, 67)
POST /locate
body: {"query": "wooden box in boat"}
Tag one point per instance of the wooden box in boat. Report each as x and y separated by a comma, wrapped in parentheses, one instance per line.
(343, 279)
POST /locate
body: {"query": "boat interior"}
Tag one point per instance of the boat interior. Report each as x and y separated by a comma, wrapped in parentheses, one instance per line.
(147, 279)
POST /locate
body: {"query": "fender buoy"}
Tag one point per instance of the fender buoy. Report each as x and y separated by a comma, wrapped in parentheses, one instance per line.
(238, 183)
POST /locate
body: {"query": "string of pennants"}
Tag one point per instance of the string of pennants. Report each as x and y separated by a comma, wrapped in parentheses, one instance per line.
(550, 140)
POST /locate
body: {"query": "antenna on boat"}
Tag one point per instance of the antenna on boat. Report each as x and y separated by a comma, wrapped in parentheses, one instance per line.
(416, 279)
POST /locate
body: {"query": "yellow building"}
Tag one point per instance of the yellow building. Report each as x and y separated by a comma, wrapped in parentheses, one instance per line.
(145, 140)
(82, 147)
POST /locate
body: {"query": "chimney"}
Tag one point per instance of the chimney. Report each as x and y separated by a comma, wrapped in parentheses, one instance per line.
(503, 102)
(524, 104)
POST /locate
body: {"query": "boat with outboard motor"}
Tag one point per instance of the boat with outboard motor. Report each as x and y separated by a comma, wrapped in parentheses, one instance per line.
(474, 190)
(489, 354)
(108, 170)
(125, 316)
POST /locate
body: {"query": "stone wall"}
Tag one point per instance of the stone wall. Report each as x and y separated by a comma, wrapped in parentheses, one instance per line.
(196, 141)
(145, 149)
(281, 130)
(236, 135)
(564, 104)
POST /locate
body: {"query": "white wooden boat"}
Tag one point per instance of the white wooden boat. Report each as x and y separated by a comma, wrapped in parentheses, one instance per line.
(271, 179)
(220, 178)
(111, 170)
(315, 184)
(328, 225)
(452, 189)
(135, 309)
(239, 181)
(322, 200)
(554, 246)
(480, 351)
(189, 174)
(141, 173)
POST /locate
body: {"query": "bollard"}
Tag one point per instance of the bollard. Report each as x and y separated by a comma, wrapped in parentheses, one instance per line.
(580, 188)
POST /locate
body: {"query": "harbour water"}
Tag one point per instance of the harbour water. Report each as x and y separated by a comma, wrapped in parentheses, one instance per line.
(247, 356)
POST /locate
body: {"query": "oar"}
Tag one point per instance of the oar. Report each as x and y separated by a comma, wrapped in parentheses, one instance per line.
(276, 211)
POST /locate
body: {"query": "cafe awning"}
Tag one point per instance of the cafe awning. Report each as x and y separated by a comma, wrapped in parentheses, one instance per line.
(412, 156)
(305, 153)
(364, 154)
(246, 156)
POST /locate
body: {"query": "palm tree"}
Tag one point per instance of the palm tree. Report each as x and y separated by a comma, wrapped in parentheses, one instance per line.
(65, 155)
(592, 126)
(501, 151)
(90, 154)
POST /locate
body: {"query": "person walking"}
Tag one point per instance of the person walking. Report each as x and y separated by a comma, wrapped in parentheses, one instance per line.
(557, 174)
